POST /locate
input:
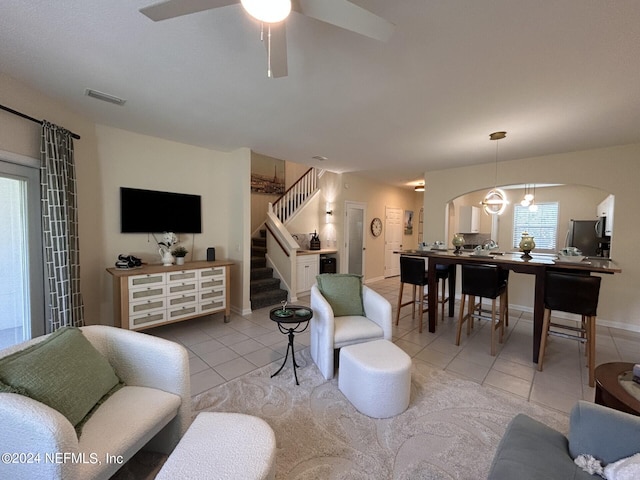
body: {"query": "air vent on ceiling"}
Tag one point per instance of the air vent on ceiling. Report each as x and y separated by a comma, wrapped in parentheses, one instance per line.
(105, 97)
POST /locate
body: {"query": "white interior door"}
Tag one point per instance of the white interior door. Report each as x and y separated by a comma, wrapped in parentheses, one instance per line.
(393, 230)
(354, 238)
(21, 282)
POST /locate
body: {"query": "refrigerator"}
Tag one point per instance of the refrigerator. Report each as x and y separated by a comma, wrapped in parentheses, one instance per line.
(582, 234)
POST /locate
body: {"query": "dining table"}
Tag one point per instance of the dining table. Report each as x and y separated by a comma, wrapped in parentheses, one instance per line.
(532, 264)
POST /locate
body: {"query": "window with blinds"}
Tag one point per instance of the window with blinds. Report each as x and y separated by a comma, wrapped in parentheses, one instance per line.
(542, 225)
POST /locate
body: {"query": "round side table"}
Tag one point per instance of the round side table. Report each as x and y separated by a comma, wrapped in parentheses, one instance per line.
(609, 390)
(291, 319)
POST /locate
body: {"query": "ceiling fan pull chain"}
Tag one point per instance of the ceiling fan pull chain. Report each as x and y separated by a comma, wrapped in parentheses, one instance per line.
(269, 51)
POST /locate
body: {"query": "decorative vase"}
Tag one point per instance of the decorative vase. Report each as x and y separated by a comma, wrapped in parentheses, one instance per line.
(527, 244)
(458, 242)
(179, 260)
(167, 258)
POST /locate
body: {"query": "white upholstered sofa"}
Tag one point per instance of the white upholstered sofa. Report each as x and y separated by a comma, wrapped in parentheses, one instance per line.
(153, 409)
(330, 332)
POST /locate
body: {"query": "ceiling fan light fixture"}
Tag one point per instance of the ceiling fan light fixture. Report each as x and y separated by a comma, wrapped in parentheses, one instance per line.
(267, 11)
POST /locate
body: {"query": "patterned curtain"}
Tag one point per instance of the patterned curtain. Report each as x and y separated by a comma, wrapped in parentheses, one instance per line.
(60, 227)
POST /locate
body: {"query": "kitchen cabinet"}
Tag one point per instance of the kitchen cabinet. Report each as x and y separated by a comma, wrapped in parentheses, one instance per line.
(605, 209)
(469, 219)
(156, 295)
(308, 267)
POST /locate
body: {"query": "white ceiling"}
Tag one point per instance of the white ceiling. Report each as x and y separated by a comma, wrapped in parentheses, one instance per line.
(557, 75)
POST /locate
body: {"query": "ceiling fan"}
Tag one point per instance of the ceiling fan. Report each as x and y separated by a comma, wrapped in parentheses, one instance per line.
(272, 14)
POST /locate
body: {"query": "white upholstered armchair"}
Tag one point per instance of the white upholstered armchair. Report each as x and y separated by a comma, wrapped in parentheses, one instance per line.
(153, 409)
(329, 332)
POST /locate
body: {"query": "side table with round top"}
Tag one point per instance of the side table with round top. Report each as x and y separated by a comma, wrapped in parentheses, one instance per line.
(615, 387)
(291, 319)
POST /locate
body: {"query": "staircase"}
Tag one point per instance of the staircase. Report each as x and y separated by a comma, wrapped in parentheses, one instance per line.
(264, 289)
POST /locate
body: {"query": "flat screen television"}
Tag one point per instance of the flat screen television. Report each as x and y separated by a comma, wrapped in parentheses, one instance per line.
(150, 211)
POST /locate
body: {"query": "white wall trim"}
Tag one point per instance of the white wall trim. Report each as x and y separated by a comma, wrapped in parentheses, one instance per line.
(19, 159)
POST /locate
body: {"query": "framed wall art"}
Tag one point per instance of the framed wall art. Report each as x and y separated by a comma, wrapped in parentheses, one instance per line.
(408, 222)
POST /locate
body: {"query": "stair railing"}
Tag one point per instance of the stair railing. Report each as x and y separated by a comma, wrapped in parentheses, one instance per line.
(297, 194)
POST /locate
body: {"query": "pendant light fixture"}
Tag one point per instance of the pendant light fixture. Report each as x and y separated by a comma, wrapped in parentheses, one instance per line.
(495, 201)
(533, 207)
(528, 196)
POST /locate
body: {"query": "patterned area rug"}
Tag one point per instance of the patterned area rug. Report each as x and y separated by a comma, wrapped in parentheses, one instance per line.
(449, 431)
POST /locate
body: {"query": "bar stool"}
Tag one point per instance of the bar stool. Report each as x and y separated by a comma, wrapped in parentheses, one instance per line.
(572, 293)
(442, 275)
(504, 278)
(413, 272)
(484, 281)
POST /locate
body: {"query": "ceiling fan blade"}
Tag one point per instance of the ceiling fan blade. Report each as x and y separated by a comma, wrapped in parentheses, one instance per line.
(349, 16)
(277, 52)
(177, 8)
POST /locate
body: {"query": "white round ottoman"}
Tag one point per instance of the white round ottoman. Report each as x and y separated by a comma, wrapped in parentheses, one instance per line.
(223, 446)
(376, 378)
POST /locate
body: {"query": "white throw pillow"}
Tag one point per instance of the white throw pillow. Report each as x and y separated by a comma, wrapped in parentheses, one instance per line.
(624, 469)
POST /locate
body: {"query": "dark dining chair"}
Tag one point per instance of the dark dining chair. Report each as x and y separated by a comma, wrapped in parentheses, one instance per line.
(442, 275)
(571, 293)
(485, 281)
(413, 272)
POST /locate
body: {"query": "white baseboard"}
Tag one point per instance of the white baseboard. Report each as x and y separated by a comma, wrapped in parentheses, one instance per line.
(373, 280)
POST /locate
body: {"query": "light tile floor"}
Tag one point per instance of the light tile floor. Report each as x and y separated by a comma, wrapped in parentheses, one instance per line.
(219, 351)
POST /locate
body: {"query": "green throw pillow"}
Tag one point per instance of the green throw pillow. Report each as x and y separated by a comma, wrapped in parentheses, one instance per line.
(343, 291)
(64, 371)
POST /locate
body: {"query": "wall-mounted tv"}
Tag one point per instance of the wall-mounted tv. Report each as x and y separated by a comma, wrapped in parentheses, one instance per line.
(150, 211)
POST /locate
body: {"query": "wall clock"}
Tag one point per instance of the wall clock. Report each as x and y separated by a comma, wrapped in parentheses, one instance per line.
(376, 227)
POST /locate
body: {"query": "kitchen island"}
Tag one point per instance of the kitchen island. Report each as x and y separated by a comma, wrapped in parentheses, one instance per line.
(536, 265)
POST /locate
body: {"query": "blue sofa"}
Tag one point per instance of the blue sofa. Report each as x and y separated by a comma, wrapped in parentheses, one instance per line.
(530, 450)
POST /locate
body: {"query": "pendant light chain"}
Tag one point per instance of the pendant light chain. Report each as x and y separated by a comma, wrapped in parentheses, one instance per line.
(495, 183)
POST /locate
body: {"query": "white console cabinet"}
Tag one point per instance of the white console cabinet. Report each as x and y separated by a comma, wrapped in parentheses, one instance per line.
(156, 295)
(308, 267)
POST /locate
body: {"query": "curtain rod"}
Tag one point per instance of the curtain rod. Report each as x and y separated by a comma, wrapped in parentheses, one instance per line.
(20, 114)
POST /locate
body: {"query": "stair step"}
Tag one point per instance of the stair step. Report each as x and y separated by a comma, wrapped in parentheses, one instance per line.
(258, 251)
(262, 272)
(259, 242)
(265, 299)
(264, 285)
(258, 262)
(263, 233)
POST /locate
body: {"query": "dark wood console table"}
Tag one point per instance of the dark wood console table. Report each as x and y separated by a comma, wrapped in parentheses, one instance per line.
(537, 265)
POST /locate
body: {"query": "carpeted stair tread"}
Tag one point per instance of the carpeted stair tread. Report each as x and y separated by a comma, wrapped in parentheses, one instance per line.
(258, 251)
(259, 242)
(262, 272)
(264, 285)
(265, 299)
(258, 262)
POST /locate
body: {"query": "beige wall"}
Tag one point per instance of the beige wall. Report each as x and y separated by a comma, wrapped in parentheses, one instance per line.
(376, 196)
(132, 160)
(574, 202)
(108, 158)
(615, 170)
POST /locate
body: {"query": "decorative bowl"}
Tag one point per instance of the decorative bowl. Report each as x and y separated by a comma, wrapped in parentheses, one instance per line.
(571, 258)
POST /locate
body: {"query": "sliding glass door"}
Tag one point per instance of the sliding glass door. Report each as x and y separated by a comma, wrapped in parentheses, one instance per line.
(21, 281)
